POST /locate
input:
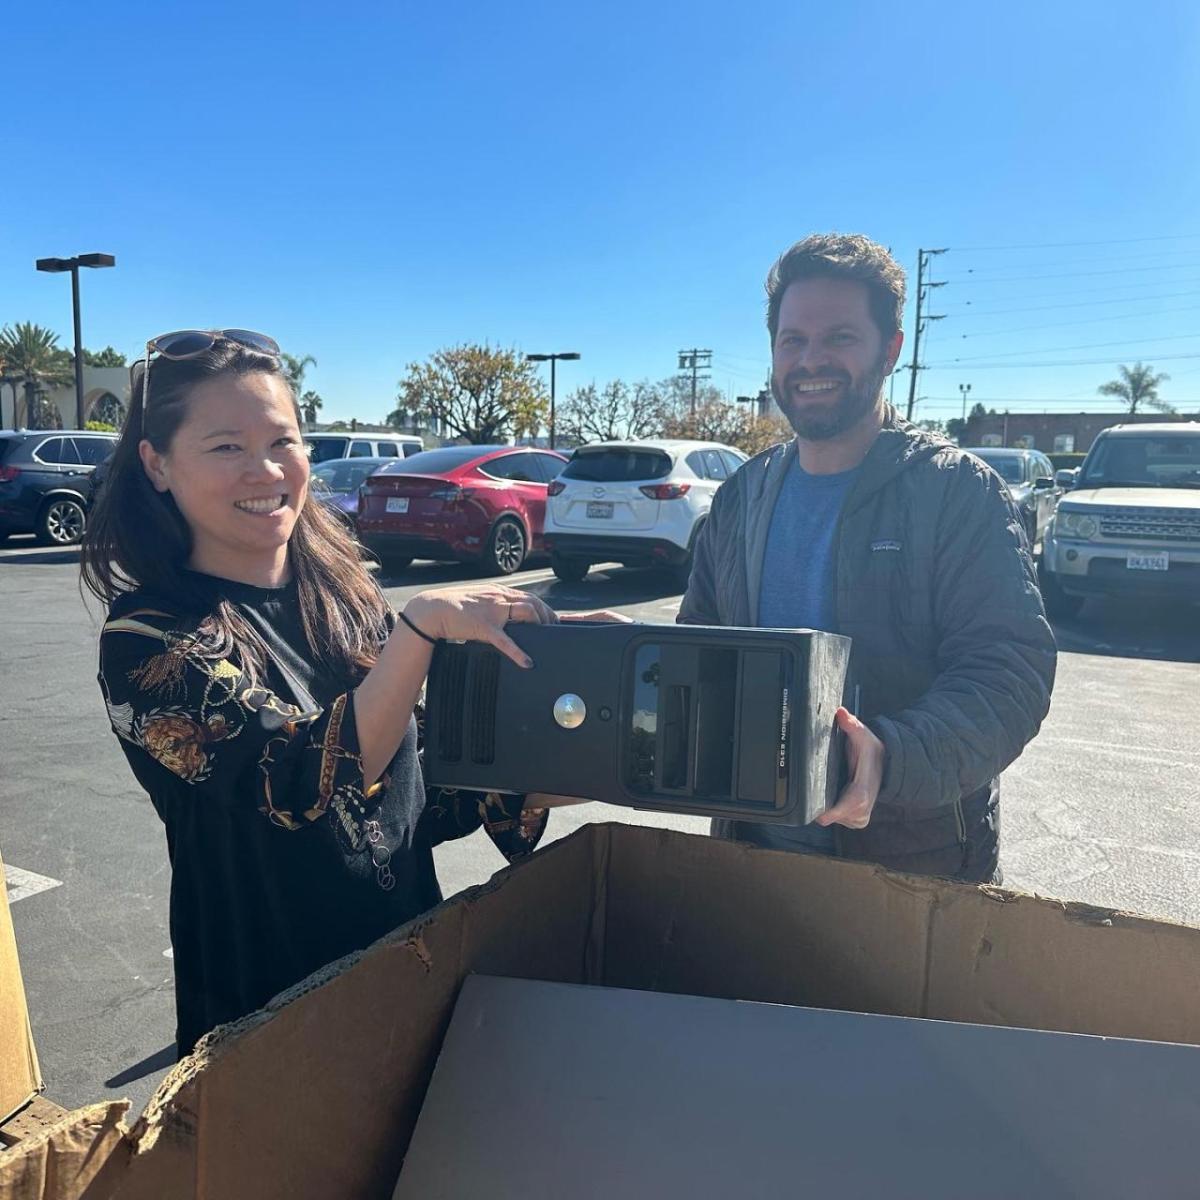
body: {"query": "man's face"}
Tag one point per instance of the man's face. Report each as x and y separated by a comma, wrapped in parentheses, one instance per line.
(829, 359)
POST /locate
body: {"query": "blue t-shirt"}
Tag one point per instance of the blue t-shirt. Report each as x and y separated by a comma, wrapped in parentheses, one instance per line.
(797, 592)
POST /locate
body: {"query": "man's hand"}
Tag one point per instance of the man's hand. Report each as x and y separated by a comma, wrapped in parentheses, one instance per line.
(864, 756)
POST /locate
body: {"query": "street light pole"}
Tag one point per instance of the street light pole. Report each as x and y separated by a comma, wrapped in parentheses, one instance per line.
(964, 388)
(56, 266)
(552, 359)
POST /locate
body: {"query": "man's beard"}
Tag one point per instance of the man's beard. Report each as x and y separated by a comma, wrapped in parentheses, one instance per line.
(818, 423)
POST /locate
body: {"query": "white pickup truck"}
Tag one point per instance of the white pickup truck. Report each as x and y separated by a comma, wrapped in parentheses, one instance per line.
(1129, 523)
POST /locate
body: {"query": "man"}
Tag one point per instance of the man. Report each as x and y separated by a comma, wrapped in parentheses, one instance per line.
(866, 526)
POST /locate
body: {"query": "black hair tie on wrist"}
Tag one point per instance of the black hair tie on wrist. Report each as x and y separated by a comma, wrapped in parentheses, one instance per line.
(419, 632)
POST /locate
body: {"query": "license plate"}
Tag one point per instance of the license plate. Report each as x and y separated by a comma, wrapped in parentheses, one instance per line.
(599, 508)
(1148, 562)
(397, 504)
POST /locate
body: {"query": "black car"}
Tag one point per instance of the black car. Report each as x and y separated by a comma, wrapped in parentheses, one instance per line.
(46, 482)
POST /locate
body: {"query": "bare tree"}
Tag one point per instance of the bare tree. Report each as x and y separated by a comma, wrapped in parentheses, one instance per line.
(617, 412)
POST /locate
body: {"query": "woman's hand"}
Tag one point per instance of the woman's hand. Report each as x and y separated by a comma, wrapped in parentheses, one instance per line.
(478, 613)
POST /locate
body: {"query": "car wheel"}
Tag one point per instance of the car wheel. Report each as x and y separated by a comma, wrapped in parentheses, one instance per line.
(505, 548)
(569, 570)
(61, 522)
(1058, 603)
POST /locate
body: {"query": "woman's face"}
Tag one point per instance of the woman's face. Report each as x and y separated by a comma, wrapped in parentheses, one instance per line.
(238, 471)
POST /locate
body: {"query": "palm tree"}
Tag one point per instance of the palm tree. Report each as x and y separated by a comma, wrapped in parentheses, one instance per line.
(33, 353)
(1138, 385)
(295, 368)
(310, 402)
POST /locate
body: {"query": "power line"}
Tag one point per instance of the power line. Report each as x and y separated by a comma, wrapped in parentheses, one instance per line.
(1171, 237)
(969, 277)
(1145, 259)
(1174, 337)
(1079, 362)
(1125, 316)
(988, 312)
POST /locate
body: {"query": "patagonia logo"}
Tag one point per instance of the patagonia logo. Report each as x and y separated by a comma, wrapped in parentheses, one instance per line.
(876, 547)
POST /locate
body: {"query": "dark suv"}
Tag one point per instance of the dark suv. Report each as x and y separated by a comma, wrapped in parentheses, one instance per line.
(46, 482)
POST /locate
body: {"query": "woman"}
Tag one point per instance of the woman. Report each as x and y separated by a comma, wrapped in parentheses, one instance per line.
(261, 689)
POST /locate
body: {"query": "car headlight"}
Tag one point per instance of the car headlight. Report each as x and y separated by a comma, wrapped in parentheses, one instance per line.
(1075, 524)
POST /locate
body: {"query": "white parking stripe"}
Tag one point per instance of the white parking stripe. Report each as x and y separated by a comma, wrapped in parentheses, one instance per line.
(23, 884)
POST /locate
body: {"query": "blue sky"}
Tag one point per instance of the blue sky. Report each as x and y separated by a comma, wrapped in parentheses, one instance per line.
(371, 182)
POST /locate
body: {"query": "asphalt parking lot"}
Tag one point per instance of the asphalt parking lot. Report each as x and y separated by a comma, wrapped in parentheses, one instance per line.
(1101, 808)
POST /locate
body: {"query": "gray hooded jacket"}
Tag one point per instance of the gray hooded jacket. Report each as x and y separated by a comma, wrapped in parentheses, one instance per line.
(952, 653)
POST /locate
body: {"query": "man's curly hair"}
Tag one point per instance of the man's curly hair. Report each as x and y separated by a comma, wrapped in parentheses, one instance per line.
(841, 256)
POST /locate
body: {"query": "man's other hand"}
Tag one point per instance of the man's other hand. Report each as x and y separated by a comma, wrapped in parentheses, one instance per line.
(864, 757)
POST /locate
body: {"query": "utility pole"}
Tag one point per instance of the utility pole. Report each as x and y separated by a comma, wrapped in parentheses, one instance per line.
(695, 360)
(922, 318)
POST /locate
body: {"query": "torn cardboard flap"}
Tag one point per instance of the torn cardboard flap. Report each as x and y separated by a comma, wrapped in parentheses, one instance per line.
(317, 1095)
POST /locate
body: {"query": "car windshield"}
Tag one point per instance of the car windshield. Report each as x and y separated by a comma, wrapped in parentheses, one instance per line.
(345, 474)
(435, 462)
(617, 464)
(1172, 460)
(1007, 466)
(325, 449)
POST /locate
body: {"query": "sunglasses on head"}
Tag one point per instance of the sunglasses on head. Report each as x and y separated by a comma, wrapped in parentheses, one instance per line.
(190, 343)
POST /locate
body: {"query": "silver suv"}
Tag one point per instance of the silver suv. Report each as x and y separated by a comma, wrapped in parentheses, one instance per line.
(1130, 523)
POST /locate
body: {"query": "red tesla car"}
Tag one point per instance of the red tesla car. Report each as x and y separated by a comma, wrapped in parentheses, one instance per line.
(481, 504)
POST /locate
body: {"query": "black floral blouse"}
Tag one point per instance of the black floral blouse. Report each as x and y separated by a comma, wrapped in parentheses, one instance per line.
(281, 861)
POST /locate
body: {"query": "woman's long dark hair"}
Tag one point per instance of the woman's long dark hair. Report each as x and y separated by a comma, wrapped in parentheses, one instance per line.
(137, 538)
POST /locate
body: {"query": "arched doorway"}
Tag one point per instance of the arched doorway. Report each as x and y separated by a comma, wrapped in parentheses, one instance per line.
(104, 406)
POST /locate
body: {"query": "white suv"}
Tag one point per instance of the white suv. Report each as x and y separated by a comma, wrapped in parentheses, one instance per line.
(1129, 524)
(325, 447)
(637, 503)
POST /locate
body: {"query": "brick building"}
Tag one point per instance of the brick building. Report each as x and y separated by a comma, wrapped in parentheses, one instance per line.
(1053, 433)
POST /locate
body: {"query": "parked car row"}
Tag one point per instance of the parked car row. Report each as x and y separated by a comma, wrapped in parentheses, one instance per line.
(637, 503)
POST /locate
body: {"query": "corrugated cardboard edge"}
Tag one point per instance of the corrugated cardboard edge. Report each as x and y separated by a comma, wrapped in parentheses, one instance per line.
(18, 1054)
(172, 1119)
(66, 1160)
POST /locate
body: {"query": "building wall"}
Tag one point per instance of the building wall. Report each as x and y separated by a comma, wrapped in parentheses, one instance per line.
(97, 382)
(1053, 433)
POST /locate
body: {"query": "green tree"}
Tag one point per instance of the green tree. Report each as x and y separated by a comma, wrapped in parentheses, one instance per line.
(613, 413)
(1137, 385)
(310, 405)
(478, 393)
(966, 433)
(33, 354)
(108, 357)
(295, 368)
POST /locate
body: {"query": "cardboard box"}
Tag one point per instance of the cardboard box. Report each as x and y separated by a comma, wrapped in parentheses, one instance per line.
(20, 1079)
(317, 1095)
(584, 1093)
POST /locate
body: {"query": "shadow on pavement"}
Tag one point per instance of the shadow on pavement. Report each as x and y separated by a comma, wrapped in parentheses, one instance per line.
(32, 555)
(1152, 629)
(610, 587)
(160, 1059)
